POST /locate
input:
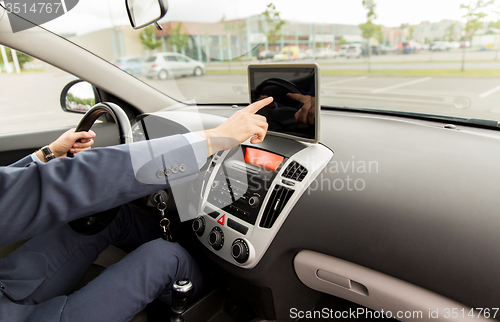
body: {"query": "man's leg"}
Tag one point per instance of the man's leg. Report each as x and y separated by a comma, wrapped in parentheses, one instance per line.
(124, 289)
(69, 254)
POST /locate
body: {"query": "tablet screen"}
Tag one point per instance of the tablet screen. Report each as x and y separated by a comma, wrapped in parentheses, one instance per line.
(294, 111)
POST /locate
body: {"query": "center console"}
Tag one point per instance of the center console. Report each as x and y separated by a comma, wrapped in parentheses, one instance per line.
(249, 191)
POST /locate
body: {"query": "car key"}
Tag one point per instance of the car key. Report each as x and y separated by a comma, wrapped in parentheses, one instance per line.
(164, 222)
(165, 225)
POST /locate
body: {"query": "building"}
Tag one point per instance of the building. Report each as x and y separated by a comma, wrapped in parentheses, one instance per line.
(218, 41)
(244, 38)
(486, 39)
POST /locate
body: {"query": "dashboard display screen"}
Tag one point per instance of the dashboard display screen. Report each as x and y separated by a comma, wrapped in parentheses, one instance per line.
(294, 87)
(263, 158)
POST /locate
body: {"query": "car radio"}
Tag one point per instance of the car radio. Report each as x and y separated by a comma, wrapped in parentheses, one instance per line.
(240, 185)
(248, 192)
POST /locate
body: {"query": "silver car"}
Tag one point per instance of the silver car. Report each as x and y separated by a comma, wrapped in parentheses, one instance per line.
(165, 65)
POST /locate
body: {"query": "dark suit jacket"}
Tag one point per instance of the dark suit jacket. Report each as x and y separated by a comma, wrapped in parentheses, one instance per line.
(36, 197)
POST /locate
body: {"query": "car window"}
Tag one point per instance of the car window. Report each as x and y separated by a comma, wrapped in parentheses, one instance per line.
(151, 59)
(400, 56)
(171, 58)
(29, 95)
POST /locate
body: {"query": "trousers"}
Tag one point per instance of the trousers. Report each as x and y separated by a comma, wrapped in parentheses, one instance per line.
(120, 292)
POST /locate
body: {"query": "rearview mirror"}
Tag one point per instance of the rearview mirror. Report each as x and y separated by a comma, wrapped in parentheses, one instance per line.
(145, 12)
(78, 97)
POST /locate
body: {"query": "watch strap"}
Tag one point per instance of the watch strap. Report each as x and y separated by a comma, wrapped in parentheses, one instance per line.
(47, 153)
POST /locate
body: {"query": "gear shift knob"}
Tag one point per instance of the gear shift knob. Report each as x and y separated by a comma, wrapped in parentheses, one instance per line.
(181, 291)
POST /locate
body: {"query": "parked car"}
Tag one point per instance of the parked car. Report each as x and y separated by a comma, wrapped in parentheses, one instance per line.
(343, 50)
(454, 45)
(354, 51)
(166, 65)
(288, 53)
(440, 46)
(266, 54)
(131, 65)
(329, 53)
(465, 44)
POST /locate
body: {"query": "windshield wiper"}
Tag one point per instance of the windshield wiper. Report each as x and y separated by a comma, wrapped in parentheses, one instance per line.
(422, 116)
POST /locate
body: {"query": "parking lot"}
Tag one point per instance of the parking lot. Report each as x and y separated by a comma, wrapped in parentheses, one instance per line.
(30, 101)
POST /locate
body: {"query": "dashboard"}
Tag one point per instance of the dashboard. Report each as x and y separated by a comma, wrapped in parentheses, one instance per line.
(242, 196)
(247, 194)
(357, 234)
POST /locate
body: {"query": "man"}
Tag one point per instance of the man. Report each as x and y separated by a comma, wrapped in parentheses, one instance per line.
(37, 200)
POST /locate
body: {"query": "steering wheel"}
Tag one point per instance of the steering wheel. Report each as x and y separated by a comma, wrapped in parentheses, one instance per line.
(95, 223)
(283, 117)
(283, 83)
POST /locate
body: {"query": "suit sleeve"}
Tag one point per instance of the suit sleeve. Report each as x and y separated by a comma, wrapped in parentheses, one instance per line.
(42, 196)
(22, 162)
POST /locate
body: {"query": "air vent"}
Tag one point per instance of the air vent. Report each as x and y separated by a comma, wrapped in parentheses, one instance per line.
(295, 171)
(277, 201)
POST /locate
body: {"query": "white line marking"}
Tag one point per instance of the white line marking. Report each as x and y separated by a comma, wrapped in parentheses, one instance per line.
(491, 91)
(342, 81)
(63, 2)
(388, 88)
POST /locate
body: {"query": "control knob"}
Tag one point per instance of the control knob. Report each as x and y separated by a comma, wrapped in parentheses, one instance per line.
(240, 251)
(216, 238)
(199, 226)
(254, 201)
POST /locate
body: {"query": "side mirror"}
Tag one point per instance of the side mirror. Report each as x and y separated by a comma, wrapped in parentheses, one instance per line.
(145, 12)
(79, 96)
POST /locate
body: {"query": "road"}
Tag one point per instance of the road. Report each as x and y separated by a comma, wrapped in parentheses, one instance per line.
(424, 60)
(30, 101)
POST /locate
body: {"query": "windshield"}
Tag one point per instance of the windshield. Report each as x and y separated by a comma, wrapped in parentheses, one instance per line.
(429, 57)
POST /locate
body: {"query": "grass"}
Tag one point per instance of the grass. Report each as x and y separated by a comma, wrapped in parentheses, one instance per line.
(400, 72)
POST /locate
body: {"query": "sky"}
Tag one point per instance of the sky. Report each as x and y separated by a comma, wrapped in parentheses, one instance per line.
(90, 15)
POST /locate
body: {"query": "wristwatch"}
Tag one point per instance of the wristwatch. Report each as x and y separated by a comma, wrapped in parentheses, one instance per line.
(47, 153)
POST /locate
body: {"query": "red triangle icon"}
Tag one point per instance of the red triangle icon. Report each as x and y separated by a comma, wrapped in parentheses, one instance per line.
(221, 220)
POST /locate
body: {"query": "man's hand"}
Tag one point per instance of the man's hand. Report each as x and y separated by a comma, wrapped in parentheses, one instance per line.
(241, 126)
(306, 113)
(67, 143)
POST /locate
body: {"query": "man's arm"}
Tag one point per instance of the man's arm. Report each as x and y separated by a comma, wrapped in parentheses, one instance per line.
(40, 197)
(60, 147)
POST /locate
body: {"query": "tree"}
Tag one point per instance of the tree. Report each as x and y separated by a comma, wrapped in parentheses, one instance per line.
(148, 38)
(450, 33)
(474, 16)
(369, 29)
(178, 38)
(495, 24)
(411, 29)
(342, 41)
(21, 58)
(274, 23)
(238, 28)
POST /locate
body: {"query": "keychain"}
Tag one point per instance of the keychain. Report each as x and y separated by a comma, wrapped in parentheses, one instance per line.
(164, 222)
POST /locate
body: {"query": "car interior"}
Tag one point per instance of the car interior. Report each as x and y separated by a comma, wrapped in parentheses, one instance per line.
(277, 228)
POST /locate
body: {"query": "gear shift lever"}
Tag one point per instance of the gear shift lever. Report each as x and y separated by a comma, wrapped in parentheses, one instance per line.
(181, 291)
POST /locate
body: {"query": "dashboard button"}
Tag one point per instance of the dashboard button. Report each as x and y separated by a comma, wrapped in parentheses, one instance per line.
(288, 183)
(214, 214)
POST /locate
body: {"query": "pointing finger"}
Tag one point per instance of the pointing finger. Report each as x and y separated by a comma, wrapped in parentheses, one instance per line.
(253, 108)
